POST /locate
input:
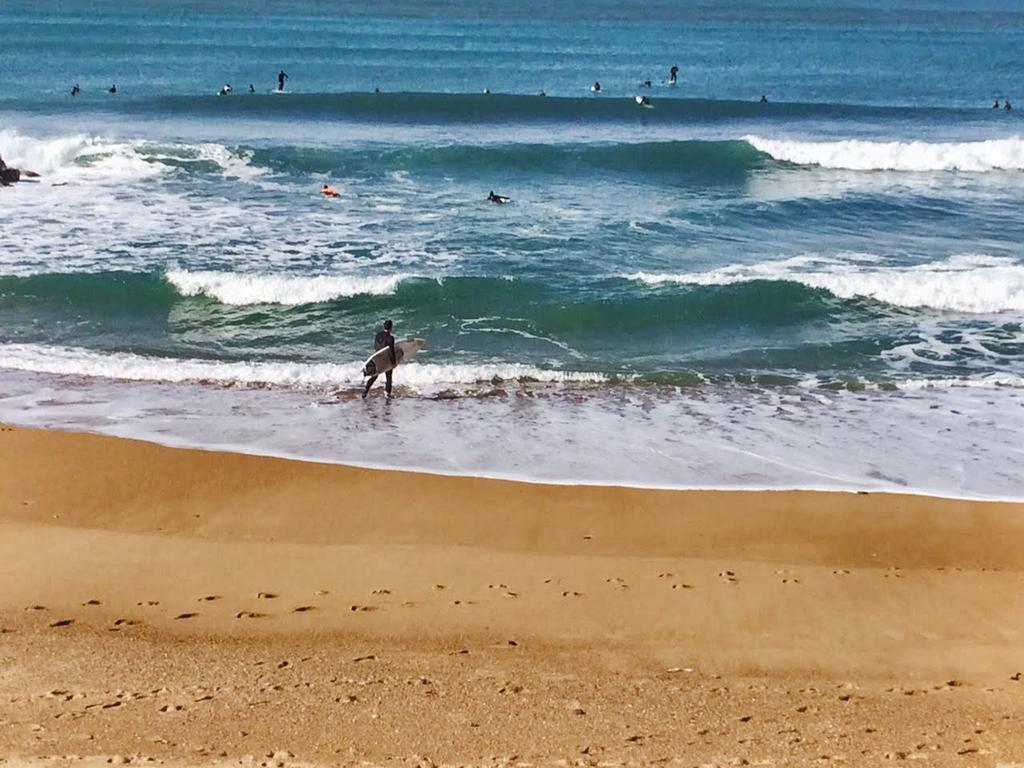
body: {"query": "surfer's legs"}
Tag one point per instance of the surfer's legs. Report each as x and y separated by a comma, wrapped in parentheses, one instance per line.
(370, 384)
(387, 382)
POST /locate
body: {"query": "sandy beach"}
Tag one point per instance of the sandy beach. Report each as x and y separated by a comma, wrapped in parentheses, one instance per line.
(185, 607)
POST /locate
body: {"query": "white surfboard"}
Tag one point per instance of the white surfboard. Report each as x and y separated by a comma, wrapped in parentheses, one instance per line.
(380, 361)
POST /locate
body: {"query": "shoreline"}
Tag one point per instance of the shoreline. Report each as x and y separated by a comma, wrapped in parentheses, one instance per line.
(185, 608)
(241, 450)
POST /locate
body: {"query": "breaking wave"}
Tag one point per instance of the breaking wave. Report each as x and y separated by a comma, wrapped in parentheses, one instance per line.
(966, 283)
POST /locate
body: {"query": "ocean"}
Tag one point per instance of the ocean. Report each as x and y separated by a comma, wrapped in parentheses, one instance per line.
(822, 289)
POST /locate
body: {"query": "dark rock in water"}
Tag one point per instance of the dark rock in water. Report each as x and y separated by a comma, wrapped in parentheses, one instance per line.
(10, 176)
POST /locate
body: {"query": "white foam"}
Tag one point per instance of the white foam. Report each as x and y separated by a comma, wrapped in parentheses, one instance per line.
(79, 155)
(965, 283)
(990, 381)
(238, 288)
(125, 366)
(859, 155)
(94, 158)
(956, 442)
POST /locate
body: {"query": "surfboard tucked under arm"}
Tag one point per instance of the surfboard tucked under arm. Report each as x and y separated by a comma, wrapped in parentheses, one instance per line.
(380, 361)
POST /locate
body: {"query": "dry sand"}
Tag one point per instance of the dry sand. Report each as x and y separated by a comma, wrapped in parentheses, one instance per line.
(192, 608)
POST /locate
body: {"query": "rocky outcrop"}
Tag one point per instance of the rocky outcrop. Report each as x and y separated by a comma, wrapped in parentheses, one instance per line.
(9, 175)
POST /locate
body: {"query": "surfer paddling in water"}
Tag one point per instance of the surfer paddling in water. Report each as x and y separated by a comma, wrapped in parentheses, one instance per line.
(383, 340)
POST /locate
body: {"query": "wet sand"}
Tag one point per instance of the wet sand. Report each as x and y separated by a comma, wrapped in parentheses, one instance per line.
(191, 608)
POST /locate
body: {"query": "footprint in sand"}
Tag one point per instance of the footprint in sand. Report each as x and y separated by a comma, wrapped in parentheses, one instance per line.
(440, 587)
(840, 572)
(666, 575)
(617, 583)
(497, 586)
(304, 609)
(63, 623)
(266, 595)
(125, 622)
(185, 616)
(728, 576)
(682, 586)
(571, 593)
(322, 592)
(94, 601)
(363, 608)
(382, 591)
(37, 608)
(148, 603)
(208, 598)
(249, 615)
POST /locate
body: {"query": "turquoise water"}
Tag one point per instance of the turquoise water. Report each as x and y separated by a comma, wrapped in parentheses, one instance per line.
(858, 232)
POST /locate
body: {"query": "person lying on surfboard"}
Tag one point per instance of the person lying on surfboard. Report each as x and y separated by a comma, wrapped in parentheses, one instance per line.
(500, 199)
(380, 341)
(328, 191)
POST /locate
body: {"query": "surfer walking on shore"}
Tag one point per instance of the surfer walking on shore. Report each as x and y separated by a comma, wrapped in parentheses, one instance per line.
(380, 341)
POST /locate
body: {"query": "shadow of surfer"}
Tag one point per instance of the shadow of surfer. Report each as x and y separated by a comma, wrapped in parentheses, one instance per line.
(382, 340)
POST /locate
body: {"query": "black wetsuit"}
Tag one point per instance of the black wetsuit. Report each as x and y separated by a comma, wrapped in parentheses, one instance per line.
(380, 341)
(281, 77)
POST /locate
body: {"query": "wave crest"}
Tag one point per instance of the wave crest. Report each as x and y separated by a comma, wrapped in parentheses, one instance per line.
(857, 155)
(87, 157)
(238, 289)
(126, 366)
(967, 283)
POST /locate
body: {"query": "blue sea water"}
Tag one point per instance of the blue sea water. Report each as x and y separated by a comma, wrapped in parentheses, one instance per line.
(823, 289)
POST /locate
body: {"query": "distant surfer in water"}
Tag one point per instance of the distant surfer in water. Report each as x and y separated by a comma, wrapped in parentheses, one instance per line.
(328, 191)
(281, 77)
(764, 99)
(112, 88)
(645, 84)
(673, 75)
(596, 87)
(995, 104)
(225, 90)
(75, 90)
(380, 341)
(252, 88)
(499, 199)
(1007, 106)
